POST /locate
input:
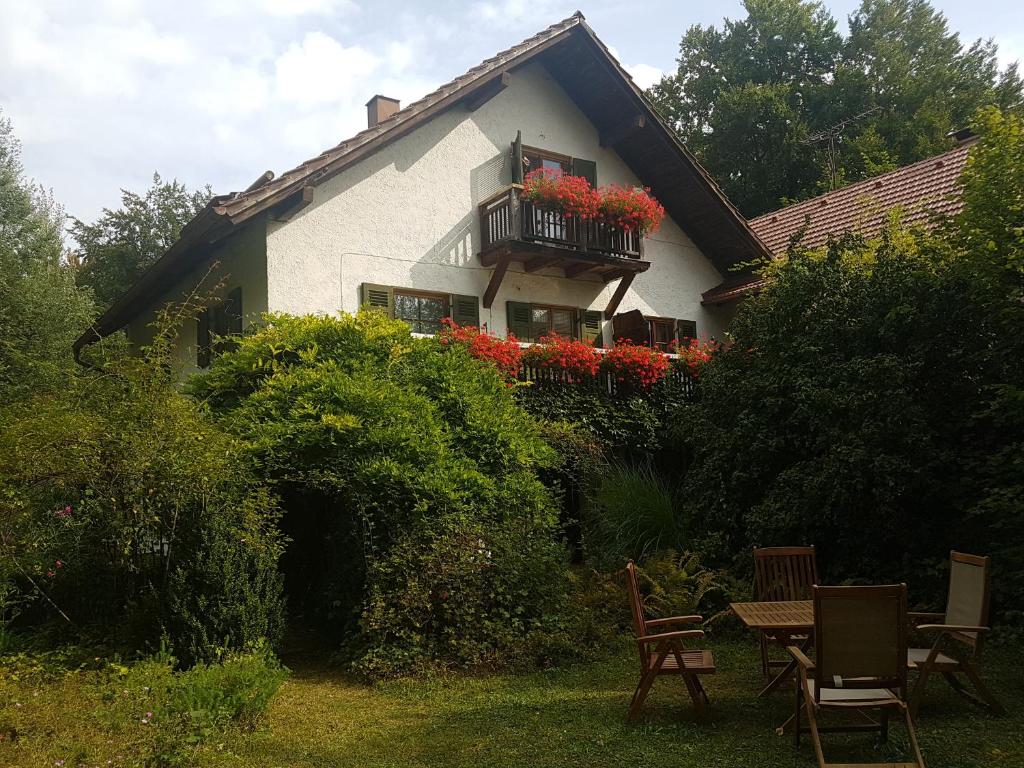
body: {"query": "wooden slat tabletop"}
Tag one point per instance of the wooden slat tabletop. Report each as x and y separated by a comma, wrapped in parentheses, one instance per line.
(791, 615)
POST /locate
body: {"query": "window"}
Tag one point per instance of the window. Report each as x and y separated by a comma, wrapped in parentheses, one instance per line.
(531, 322)
(538, 158)
(663, 332)
(545, 320)
(422, 311)
(224, 319)
(687, 329)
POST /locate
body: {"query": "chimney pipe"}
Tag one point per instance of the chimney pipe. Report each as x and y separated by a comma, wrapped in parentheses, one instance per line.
(379, 109)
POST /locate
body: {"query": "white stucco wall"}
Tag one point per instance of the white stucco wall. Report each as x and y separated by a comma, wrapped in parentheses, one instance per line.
(407, 217)
(241, 261)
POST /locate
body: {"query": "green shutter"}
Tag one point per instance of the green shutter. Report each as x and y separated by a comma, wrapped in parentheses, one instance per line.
(519, 315)
(465, 310)
(517, 159)
(686, 329)
(380, 297)
(591, 322)
(203, 339)
(585, 168)
(233, 311)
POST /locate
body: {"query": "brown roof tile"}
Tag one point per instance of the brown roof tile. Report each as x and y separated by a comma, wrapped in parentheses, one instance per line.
(923, 190)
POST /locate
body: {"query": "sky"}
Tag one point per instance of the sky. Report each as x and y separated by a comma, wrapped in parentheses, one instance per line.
(102, 93)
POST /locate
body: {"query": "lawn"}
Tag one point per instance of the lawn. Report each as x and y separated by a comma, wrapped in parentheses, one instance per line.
(562, 717)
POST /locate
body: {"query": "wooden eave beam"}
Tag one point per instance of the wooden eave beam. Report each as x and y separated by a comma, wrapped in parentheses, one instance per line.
(539, 262)
(575, 270)
(622, 131)
(488, 92)
(291, 207)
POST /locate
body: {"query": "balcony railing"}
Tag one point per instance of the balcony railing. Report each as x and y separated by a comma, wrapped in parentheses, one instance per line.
(506, 216)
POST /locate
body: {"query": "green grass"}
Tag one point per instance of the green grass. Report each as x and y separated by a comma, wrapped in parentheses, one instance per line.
(564, 717)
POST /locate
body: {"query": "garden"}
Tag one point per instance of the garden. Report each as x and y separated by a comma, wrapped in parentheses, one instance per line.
(343, 544)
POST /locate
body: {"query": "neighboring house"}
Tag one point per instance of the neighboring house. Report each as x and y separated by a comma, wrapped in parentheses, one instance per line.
(924, 192)
(419, 215)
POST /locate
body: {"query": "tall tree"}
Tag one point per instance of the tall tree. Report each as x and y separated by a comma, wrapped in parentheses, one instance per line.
(741, 97)
(750, 97)
(41, 308)
(118, 247)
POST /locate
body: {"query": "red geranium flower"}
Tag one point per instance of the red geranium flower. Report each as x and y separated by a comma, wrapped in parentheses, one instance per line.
(635, 366)
(505, 354)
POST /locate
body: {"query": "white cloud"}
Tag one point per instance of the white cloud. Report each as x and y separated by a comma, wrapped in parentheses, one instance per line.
(321, 69)
(644, 75)
(103, 93)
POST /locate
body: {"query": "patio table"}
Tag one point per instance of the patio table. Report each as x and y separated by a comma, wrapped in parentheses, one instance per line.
(791, 622)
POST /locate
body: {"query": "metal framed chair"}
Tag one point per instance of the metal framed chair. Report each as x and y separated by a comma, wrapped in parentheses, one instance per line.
(962, 627)
(662, 653)
(782, 574)
(860, 641)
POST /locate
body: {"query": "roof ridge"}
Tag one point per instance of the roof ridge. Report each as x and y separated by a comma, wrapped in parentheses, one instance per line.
(870, 180)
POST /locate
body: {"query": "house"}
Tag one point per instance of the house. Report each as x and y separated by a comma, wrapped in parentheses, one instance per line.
(421, 216)
(924, 192)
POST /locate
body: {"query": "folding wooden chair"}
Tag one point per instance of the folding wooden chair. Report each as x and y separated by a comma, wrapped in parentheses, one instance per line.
(860, 640)
(782, 574)
(963, 626)
(662, 653)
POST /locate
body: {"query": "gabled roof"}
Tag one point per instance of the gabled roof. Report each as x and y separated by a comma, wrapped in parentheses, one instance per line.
(923, 191)
(582, 66)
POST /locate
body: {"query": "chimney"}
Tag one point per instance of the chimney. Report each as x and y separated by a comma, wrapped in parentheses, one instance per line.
(379, 109)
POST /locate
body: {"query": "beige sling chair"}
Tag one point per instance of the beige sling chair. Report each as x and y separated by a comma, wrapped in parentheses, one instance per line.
(860, 641)
(782, 574)
(662, 653)
(963, 627)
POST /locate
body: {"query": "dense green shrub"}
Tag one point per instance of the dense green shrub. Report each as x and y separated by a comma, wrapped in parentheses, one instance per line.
(628, 424)
(989, 235)
(871, 400)
(420, 471)
(124, 506)
(840, 414)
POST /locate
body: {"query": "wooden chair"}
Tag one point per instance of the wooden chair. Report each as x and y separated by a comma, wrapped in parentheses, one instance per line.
(662, 653)
(782, 574)
(860, 640)
(962, 626)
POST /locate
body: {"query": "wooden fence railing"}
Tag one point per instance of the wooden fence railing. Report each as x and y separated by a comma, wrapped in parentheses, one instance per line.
(602, 381)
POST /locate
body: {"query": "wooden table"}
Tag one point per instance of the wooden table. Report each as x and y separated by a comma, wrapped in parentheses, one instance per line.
(791, 623)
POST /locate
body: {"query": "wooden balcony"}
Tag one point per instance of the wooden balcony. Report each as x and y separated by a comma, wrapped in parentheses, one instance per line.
(515, 230)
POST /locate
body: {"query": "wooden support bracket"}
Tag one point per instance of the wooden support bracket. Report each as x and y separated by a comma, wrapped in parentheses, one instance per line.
(488, 91)
(620, 291)
(622, 131)
(496, 277)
